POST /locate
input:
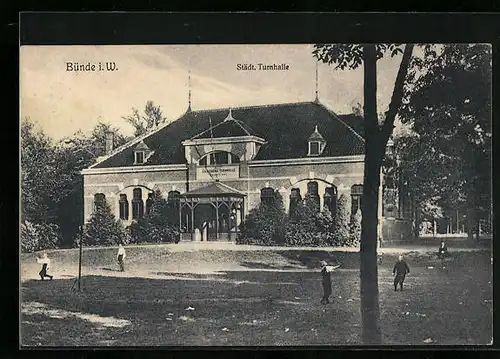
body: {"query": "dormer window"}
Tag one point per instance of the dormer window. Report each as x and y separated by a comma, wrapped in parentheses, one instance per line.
(316, 143)
(139, 157)
(141, 153)
(314, 148)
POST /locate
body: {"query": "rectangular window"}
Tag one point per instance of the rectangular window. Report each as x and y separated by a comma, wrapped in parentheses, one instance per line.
(139, 157)
(123, 206)
(314, 148)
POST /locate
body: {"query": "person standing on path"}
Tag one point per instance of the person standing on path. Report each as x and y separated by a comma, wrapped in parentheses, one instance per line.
(45, 261)
(120, 257)
(401, 269)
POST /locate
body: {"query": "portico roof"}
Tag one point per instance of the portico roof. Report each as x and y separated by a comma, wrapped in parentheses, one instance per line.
(214, 189)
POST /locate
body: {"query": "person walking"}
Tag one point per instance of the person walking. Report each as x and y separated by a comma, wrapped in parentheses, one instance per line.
(326, 271)
(401, 269)
(120, 257)
(45, 262)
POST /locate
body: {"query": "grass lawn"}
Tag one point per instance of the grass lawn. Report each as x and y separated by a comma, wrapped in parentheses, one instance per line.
(258, 297)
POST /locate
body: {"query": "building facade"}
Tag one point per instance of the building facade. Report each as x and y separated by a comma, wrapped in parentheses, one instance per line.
(219, 164)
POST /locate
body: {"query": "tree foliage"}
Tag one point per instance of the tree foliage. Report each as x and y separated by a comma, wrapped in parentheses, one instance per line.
(302, 227)
(103, 229)
(38, 175)
(38, 236)
(355, 230)
(151, 118)
(376, 135)
(447, 158)
(159, 225)
(51, 183)
(265, 223)
(342, 221)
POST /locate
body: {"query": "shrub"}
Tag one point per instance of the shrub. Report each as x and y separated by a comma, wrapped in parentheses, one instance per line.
(103, 229)
(302, 227)
(264, 224)
(159, 225)
(39, 236)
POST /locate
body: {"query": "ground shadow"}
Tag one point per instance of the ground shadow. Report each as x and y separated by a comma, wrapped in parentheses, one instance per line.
(260, 265)
(110, 269)
(264, 307)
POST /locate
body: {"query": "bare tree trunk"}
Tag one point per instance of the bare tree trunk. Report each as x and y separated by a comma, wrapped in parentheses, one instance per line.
(470, 214)
(478, 227)
(376, 138)
(371, 333)
(368, 255)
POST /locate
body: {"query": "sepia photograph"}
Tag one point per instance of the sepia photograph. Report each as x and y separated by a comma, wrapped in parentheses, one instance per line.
(322, 194)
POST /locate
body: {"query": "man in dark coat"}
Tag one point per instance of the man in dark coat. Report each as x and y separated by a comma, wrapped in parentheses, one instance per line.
(326, 281)
(401, 269)
(443, 250)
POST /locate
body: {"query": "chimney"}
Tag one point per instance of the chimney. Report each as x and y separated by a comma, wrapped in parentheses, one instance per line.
(110, 142)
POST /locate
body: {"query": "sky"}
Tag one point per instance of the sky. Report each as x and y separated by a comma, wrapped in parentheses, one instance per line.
(62, 102)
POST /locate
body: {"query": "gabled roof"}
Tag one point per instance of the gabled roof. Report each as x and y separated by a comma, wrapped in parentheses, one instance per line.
(215, 188)
(316, 136)
(229, 127)
(285, 127)
(141, 146)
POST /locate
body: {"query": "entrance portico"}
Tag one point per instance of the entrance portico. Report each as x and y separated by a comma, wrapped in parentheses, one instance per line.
(211, 213)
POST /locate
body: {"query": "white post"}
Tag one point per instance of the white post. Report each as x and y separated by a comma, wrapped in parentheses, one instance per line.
(379, 212)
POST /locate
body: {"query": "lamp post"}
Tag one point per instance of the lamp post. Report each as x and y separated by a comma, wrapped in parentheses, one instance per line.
(81, 227)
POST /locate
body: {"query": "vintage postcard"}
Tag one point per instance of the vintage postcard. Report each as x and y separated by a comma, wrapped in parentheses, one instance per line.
(256, 195)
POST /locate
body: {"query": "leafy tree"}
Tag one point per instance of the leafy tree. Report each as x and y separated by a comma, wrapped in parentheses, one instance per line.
(38, 236)
(72, 154)
(376, 135)
(38, 175)
(103, 229)
(143, 122)
(447, 158)
(265, 223)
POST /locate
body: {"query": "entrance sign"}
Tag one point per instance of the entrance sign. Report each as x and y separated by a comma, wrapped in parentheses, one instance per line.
(218, 172)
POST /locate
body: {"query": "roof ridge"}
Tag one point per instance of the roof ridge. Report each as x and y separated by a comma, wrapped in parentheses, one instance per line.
(146, 135)
(255, 106)
(130, 143)
(228, 187)
(208, 129)
(239, 123)
(337, 117)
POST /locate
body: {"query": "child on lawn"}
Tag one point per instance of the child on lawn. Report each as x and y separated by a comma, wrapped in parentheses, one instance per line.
(45, 261)
(326, 281)
(120, 256)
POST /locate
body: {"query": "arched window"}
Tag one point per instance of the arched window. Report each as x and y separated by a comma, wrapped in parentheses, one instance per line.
(330, 199)
(123, 205)
(149, 203)
(356, 198)
(295, 199)
(219, 158)
(173, 199)
(312, 196)
(99, 200)
(267, 195)
(137, 204)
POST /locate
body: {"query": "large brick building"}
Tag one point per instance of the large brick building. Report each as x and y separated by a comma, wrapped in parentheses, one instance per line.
(219, 164)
